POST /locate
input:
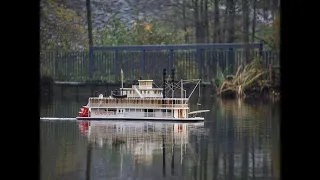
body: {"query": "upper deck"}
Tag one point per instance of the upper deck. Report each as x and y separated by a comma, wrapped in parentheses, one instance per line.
(150, 103)
(144, 89)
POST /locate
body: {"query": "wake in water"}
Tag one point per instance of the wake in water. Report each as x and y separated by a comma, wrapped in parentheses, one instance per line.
(55, 118)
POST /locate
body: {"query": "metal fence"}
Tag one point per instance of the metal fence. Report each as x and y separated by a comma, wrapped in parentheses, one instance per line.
(189, 61)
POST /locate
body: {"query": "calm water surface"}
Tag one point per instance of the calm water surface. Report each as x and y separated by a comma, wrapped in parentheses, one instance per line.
(238, 140)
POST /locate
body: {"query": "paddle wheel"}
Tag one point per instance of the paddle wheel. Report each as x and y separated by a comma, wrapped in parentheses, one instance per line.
(84, 112)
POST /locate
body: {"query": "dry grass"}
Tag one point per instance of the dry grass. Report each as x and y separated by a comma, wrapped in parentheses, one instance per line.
(247, 77)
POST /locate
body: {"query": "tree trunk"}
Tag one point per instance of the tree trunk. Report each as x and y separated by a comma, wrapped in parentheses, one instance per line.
(206, 22)
(224, 38)
(201, 20)
(88, 6)
(196, 20)
(216, 27)
(245, 19)
(230, 21)
(186, 35)
(254, 20)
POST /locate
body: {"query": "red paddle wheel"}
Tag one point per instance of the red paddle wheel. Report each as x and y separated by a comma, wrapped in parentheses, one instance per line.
(84, 112)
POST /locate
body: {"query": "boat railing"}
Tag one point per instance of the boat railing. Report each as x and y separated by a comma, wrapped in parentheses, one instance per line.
(132, 105)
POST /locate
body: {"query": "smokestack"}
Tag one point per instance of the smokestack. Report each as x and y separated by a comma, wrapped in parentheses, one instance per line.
(164, 82)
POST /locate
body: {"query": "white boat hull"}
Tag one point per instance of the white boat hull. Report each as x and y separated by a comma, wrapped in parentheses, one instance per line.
(194, 119)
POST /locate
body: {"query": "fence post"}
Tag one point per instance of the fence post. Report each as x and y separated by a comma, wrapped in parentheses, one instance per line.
(56, 62)
(171, 59)
(91, 62)
(200, 62)
(261, 49)
(142, 63)
(115, 65)
(230, 61)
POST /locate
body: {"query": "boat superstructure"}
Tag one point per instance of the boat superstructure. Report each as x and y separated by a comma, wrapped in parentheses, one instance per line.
(142, 102)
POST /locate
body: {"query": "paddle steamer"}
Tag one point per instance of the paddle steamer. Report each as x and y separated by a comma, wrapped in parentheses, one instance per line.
(143, 102)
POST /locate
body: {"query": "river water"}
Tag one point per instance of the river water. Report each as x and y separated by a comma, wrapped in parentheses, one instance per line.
(238, 140)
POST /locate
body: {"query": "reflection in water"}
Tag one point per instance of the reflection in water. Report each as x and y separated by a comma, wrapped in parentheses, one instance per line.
(145, 142)
(238, 140)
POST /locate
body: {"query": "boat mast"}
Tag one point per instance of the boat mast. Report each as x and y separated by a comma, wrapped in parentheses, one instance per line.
(181, 90)
(172, 85)
(121, 82)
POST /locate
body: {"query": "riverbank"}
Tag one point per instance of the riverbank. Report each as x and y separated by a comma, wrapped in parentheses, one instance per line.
(250, 81)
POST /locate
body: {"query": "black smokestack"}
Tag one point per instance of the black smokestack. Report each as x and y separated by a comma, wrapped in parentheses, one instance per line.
(164, 82)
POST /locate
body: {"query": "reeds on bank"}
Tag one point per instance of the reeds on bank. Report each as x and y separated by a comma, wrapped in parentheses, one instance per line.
(250, 80)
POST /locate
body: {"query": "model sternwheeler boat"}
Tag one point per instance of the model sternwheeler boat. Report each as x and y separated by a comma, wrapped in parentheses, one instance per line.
(143, 102)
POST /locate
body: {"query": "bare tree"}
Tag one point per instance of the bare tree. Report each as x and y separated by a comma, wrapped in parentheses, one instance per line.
(254, 21)
(230, 6)
(217, 28)
(245, 16)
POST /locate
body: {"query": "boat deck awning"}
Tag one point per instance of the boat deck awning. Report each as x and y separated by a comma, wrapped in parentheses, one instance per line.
(198, 112)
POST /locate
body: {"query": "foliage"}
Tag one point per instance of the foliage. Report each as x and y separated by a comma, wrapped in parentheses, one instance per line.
(276, 28)
(60, 27)
(270, 34)
(141, 32)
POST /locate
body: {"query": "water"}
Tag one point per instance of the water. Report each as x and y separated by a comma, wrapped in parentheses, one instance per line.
(238, 140)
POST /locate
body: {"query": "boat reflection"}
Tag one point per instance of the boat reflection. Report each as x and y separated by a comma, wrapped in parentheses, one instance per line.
(143, 141)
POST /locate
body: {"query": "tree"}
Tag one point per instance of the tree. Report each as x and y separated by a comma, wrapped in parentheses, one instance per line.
(60, 27)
